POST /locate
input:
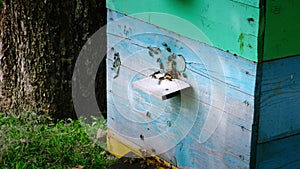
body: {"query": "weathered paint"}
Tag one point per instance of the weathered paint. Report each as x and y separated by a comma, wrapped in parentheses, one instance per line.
(279, 114)
(208, 126)
(127, 31)
(219, 23)
(282, 153)
(282, 29)
(234, 27)
(228, 146)
(116, 147)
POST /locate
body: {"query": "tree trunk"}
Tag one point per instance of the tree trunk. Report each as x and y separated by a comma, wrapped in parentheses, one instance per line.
(39, 43)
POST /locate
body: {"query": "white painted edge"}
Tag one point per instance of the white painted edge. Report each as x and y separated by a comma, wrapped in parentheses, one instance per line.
(164, 90)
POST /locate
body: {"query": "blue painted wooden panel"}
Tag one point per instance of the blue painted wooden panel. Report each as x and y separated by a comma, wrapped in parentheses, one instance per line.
(230, 139)
(280, 99)
(210, 64)
(282, 153)
(170, 121)
(122, 86)
(226, 81)
(208, 126)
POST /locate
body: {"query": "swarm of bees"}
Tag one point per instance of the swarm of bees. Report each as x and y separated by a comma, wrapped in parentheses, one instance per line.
(166, 76)
(150, 162)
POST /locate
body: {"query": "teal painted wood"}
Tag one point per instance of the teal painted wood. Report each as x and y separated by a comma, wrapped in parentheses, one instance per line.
(282, 29)
(254, 3)
(225, 24)
(207, 126)
(280, 98)
(282, 153)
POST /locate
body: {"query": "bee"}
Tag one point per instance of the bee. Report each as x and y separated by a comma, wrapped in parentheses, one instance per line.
(165, 44)
(116, 64)
(168, 76)
(168, 49)
(130, 160)
(160, 79)
(148, 114)
(153, 75)
(142, 137)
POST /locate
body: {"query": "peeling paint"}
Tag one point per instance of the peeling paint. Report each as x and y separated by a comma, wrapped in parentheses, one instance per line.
(241, 41)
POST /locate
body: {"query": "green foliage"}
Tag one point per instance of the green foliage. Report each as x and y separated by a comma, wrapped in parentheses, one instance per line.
(34, 141)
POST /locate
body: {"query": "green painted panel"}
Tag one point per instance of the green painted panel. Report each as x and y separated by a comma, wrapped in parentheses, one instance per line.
(254, 3)
(282, 29)
(225, 24)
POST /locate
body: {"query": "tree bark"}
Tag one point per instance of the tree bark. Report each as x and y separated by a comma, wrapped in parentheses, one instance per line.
(39, 43)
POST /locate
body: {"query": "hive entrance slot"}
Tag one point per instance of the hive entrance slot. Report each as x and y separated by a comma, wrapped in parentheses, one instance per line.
(162, 88)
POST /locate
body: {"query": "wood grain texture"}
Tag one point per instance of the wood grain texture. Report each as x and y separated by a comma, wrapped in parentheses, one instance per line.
(224, 148)
(280, 98)
(137, 35)
(210, 86)
(225, 24)
(228, 142)
(207, 126)
(282, 153)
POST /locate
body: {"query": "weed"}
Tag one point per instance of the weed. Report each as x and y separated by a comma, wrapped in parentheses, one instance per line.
(35, 141)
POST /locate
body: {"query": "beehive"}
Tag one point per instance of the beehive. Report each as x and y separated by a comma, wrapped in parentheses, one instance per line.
(240, 60)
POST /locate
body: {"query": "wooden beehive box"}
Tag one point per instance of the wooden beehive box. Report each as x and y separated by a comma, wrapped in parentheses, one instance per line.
(238, 60)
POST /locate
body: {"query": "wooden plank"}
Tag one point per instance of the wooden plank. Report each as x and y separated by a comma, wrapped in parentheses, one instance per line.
(234, 104)
(254, 3)
(234, 27)
(130, 111)
(212, 120)
(229, 145)
(283, 153)
(202, 63)
(280, 98)
(282, 29)
(209, 84)
(133, 37)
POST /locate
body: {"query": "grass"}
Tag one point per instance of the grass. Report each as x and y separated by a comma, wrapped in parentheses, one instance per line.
(34, 141)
